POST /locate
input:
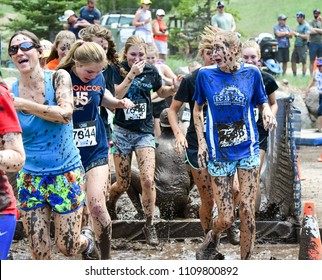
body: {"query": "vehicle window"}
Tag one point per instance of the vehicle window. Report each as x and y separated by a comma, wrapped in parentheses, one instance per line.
(126, 20)
(112, 20)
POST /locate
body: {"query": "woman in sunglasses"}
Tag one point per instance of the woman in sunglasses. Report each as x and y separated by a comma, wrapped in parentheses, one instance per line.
(52, 179)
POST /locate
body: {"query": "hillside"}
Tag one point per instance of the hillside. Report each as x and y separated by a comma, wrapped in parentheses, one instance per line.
(261, 16)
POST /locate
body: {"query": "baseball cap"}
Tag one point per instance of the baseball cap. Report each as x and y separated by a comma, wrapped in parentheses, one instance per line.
(300, 14)
(316, 11)
(146, 2)
(319, 61)
(220, 4)
(160, 12)
(281, 17)
(46, 48)
(67, 14)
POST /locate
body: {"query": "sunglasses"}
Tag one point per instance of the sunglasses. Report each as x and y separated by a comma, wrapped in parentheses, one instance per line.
(25, 46)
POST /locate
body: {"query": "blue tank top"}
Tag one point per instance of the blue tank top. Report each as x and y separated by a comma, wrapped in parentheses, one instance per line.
(89, 129)
(49, 146)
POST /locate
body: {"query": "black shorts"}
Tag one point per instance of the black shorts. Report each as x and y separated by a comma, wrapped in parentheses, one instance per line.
(283, 55)
(263, 135)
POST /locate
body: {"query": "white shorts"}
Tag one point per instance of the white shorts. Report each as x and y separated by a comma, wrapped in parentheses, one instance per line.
(146, 35)
(161, 46)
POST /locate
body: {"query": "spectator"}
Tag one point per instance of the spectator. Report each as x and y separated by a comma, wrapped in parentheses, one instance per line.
(90, 12)
(223, 20)
(315, 46)
(142, 22)
(283, 34)
(160, 34)
(61, 46)
(317, 79)
(299, 53)
(74, 23)
(12, 158)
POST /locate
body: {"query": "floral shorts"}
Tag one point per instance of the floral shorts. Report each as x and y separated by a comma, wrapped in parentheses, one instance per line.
(64, 193)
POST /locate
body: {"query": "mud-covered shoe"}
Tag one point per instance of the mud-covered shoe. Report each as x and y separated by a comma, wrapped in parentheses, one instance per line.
(208, 249)
(92, 252)
(150, 234)
(233, 234)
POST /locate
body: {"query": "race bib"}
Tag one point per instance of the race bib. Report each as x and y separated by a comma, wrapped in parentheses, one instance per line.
(186, 115)
(232, 134)
(136, 113)
(85, 134)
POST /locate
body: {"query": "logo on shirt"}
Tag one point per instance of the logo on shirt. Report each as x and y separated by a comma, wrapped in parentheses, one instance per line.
(230, 96)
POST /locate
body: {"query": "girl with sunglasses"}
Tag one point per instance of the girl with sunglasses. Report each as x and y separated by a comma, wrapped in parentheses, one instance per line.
(52, 180)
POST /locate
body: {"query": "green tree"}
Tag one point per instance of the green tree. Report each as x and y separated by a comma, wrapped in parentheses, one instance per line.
(40, 16)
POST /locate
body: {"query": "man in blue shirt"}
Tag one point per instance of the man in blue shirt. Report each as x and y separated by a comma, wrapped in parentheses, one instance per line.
(90, 13)
(283, 34)
(301, 34)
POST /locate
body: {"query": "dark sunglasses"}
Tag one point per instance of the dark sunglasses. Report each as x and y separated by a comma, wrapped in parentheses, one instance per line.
(25, 46)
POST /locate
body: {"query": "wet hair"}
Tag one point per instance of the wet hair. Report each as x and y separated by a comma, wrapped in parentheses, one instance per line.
(95, 30)
(230, 39)
(85, 53)
(130, 42)
(206, 38)
(30, 35)
(59, 37)
(252, 44)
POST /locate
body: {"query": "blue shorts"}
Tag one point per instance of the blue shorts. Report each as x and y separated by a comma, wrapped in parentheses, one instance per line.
(229, 168)
(315, 50)
(192, 158)
(7, 232)
(320, 105)
(126, 141)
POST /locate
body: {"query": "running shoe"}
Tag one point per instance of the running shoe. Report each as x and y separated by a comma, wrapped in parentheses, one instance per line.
(92, 252)
(208, 249)
(150, 234)
(233, 234)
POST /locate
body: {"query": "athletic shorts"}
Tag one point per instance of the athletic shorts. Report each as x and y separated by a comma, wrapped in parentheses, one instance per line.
(299, 54)
(315, 50)
(320, 105)
(263, 137)
(145, 35)
(283, 55)
(7, 232)
(99, 162)
(229, 168)
(192, 158)
(64, 193)
(161, 46)
(126, 141)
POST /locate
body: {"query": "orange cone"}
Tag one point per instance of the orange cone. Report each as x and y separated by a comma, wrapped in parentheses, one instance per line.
(310, 240)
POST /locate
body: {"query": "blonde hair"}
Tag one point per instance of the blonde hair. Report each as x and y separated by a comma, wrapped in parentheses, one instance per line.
(230, 39)
(59, 37)
(206, 39)
(252, 44)
(130, 42)
(85, 53)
